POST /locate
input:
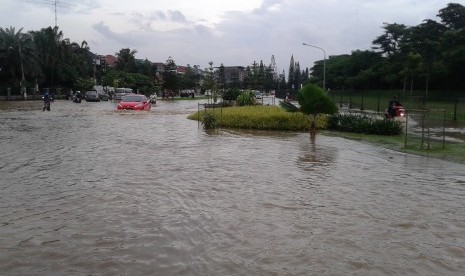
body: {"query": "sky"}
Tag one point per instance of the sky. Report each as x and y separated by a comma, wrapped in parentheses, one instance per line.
(232, 33)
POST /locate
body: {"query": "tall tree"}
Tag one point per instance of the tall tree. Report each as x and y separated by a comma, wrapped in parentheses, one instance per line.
(170, 78)
(389, 42)
(49, 49)
(425, 40)
(126, 60)
(17, 55)
(291, 75)
(453, 16)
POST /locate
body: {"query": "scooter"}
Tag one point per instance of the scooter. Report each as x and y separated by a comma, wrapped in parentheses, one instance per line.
(397, 113)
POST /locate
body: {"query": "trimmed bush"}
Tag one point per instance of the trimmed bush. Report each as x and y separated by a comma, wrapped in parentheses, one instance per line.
(358, 123)
(260, 117)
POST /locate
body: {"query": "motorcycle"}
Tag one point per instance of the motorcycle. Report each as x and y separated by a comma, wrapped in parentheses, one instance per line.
(153, 99)
(77, 98)
(396, 113)
(46, 106)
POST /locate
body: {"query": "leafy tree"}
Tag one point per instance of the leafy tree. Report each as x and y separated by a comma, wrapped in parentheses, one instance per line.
(47, 42)
(222, 76)
(454, 57)
(313, 101)
(17, 55)
(83, 84)
(142, 83)
(291, 75)
(126, 60)
(424, 39)
(453, 16)
(189, 80)
(170, 78)
(390, 42)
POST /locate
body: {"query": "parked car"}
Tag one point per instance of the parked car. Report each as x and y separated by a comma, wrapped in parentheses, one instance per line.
(92, 96)
(120, 92)
(257, 94)
(103, 96)
(134, 102)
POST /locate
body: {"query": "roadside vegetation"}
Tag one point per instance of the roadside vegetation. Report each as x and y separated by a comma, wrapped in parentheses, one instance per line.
(256, 117)
(426, 57)
(452, 151)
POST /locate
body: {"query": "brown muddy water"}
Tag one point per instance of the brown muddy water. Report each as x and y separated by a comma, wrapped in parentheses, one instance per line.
(86, 190)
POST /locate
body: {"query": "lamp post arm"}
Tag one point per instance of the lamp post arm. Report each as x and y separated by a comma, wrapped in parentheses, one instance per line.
(324, 62)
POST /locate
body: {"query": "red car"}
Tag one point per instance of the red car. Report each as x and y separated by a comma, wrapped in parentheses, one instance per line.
(134, 102)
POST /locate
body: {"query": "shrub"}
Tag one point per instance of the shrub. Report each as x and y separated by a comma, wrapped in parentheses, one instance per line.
(245, 98)
(358, 123)
(259, 117)
(209, 121)
(231, 94)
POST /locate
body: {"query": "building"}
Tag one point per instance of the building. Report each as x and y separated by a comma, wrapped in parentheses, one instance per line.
(234, 74)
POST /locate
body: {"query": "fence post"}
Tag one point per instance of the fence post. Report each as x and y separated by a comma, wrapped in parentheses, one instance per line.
(444, 129)
(350, 99)
(406, 130)
(455, 108)
(361, 105)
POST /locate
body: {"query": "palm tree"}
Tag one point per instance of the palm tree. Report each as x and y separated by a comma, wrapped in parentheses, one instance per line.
(50, 48)
(313, 101)
(12, 44)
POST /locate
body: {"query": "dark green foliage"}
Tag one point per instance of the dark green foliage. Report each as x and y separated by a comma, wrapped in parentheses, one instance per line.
(245, 98)
(313, 100)
(363, 124)
(209, 121)
(231, 94)
(84, 84)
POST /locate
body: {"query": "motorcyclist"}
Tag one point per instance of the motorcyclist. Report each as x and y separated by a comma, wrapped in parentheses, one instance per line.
(77, 97)
(393, 103)
(46, 98)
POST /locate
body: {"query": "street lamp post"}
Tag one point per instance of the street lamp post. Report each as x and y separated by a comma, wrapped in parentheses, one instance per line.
(324, 63)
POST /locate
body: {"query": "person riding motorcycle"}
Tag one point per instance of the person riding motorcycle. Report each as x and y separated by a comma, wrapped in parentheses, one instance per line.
(46, 98)
(77, 97)
(393, 103)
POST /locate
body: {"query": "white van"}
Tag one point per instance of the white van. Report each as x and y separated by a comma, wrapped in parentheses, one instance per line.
(120, 92)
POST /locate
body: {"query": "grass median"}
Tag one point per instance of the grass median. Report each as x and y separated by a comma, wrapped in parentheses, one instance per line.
(276, 118)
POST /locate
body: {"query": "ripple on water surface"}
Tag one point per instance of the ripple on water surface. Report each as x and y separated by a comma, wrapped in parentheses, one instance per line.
(87, 190)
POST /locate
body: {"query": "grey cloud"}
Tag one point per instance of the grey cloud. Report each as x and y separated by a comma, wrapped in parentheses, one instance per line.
(106, 32)
(177, 16)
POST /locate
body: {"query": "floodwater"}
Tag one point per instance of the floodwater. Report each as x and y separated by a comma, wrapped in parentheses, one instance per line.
(87, 190)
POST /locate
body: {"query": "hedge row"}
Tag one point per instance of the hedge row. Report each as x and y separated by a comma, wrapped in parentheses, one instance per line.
(359, 123)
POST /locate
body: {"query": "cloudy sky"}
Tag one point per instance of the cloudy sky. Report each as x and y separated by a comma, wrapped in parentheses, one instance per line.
(229, 32)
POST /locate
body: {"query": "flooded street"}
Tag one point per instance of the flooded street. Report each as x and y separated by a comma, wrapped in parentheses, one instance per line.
(87, 190)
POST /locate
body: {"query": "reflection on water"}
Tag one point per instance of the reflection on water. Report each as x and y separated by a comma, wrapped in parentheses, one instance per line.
(87, 190)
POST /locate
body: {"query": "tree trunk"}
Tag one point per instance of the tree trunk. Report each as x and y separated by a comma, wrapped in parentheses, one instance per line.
(313, 126)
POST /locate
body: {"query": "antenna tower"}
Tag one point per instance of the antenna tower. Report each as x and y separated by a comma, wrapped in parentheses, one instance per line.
(55, 4)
